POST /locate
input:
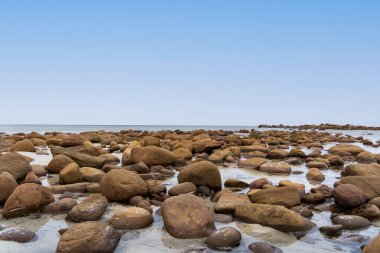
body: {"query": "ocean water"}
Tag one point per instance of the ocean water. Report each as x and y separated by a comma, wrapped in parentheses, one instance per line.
(11, 129)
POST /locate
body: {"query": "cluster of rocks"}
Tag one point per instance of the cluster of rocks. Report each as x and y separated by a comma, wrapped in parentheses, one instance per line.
(322, 126)
(85, 165)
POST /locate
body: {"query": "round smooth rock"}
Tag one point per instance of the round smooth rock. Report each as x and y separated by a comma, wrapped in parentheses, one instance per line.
(131, 218)
(224, 238)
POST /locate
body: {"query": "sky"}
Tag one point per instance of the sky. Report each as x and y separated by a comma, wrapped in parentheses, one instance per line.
(194, 62)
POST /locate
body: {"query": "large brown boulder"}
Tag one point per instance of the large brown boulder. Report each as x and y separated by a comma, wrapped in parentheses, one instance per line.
(7, 185)
(348, 195)
(203, 173)
(373, 246)
(228, 201)
(252, 163)
(368, 184)
(151, 141)
(61, 206)
(58, 163)
(89, 236)
(277, 217)
(89, 209)
(276, 167)
(187, 217)
(91, 174)
(26, 198)
(121, 185)
(24, 145)
(83, 160)
(70, 174)
(349, 148)
(287, 196)
(15, 164)
(131, 218)
(206, 145)
(152, 155)
(357, 169)
(252, 148)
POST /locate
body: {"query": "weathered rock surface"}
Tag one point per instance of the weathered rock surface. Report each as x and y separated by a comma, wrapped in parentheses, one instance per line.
(287, 196)
(131, 218)
(348, 195)
(368, 184)
(7, 185)
(187, 217)
(276, 167)
(224, 238)
(89, 236)
(15, 164)
(202, 173)
(277, 217)
(20, 235)
(89, 209)
(121, 185)
(152, 155)
(26, 198)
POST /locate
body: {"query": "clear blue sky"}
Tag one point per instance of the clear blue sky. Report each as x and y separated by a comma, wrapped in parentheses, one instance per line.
(191, 62)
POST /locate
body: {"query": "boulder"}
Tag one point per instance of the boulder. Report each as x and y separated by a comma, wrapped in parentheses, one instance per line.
(70, 174)
(151, 141)
(252, 163)
(26, 198)
(315, 174)
(373, 246)
(276, 167)
(277, 154)
(58, 163)
(32, 178)
(91, 174)
(228, 201)
(335, 160)
(183, 188)
(368, 211)
(203, 173)
(20, 235)
(224, 238)
(89, 236)
(348, 195)
(7, 185)
(368, 184)
(259, 183)
(15, 164)
(351, 221)
(131, 218)
(183, 153)
(63, 205)
(206, 145)
(39, 170)
(331, 229)
(352, 149)
(82, 159)
(287, 196)
(24, 145)
(361, 170)
(121, 185)
(235, 183)
(263, 247)
(187, 217)
(60, 189)
(152, 155)
(253, 148)
(89, 209)
(277, 217)
(366, 157)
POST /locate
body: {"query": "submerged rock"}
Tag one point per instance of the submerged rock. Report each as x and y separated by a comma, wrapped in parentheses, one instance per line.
(263, 247)
(351, 221)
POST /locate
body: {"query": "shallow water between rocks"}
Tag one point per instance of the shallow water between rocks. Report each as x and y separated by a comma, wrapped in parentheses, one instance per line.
(155, 239)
